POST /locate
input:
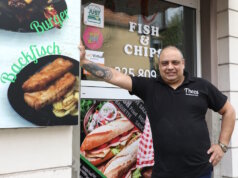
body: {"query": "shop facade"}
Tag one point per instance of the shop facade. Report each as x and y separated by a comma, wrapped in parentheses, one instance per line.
(205, 31)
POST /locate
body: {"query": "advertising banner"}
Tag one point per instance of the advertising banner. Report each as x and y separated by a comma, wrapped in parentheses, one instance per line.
(39, 84)
(115, 134)
(112, 138)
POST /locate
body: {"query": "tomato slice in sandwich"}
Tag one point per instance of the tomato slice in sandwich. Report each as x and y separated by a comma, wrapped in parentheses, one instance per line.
(115, 140)
(110, 115)
(126, 133)
(102, 146)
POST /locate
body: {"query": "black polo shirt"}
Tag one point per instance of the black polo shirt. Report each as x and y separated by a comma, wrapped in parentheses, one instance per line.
(177, 119)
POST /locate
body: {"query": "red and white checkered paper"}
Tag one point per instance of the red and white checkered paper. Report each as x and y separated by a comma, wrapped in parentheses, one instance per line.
(145, 154)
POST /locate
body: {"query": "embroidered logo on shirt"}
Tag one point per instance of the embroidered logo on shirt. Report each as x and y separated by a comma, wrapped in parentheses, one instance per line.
(191, 92)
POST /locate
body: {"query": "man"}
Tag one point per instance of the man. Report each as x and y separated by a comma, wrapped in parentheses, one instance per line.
(176, 104)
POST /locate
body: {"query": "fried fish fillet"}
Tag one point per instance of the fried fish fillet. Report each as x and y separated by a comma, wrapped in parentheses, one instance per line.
(54, 92)
(48, 74)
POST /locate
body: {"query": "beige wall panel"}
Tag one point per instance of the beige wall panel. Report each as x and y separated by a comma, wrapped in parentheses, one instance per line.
(222, 24)
(233, 23)
(230, 163)
(223, 78)
(227, 77)
(233, 4)
(234, 138)
(227, 50)
(223, 50)
(222, 5)
(64, 172)
(233, 50)
(233, 77)
(32, 149)
(234, 101)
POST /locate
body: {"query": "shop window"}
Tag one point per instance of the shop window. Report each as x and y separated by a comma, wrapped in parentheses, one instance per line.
(124, 25)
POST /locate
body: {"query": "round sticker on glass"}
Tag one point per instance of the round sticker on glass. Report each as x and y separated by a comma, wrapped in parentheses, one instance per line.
(93, 38)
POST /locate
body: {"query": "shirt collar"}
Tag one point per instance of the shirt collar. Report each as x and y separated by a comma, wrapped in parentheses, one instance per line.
(187, 79)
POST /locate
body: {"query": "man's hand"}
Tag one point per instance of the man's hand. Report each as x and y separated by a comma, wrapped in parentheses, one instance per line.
(217, 154)
(105, 73)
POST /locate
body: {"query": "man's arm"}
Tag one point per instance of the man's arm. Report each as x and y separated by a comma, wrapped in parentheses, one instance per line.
(227, 127)
(228, 123)
(107, 74)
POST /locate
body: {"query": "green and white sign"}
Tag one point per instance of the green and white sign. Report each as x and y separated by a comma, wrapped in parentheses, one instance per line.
(94, 15)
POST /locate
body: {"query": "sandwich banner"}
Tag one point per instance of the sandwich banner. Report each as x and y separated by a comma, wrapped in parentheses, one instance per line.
(111, 135)
(39, 66)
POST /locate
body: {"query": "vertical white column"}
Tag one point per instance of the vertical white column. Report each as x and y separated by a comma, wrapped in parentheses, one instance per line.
(227, 40)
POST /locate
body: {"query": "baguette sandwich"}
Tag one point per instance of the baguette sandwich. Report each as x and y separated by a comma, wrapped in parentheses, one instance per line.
(145, 172)
(108, 140)
(118, 166)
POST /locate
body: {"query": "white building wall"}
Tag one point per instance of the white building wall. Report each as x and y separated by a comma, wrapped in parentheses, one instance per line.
(38, 151)
(227, 36)
(46, 173)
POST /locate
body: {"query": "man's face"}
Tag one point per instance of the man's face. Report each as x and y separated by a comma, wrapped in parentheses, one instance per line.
(171, 66)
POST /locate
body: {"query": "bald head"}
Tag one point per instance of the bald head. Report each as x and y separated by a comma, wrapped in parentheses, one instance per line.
(171, 65)
(168, 49)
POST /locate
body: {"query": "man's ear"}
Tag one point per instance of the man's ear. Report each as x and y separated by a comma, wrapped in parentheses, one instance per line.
(183, 62)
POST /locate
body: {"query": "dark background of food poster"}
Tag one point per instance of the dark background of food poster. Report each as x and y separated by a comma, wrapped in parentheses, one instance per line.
(133, 110)
(13, 44)
(88, 170)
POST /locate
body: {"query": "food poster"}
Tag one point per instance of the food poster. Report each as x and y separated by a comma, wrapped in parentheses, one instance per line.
(111, 133)
(39, 65)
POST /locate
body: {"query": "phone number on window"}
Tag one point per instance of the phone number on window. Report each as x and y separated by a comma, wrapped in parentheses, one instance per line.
(140, 72)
